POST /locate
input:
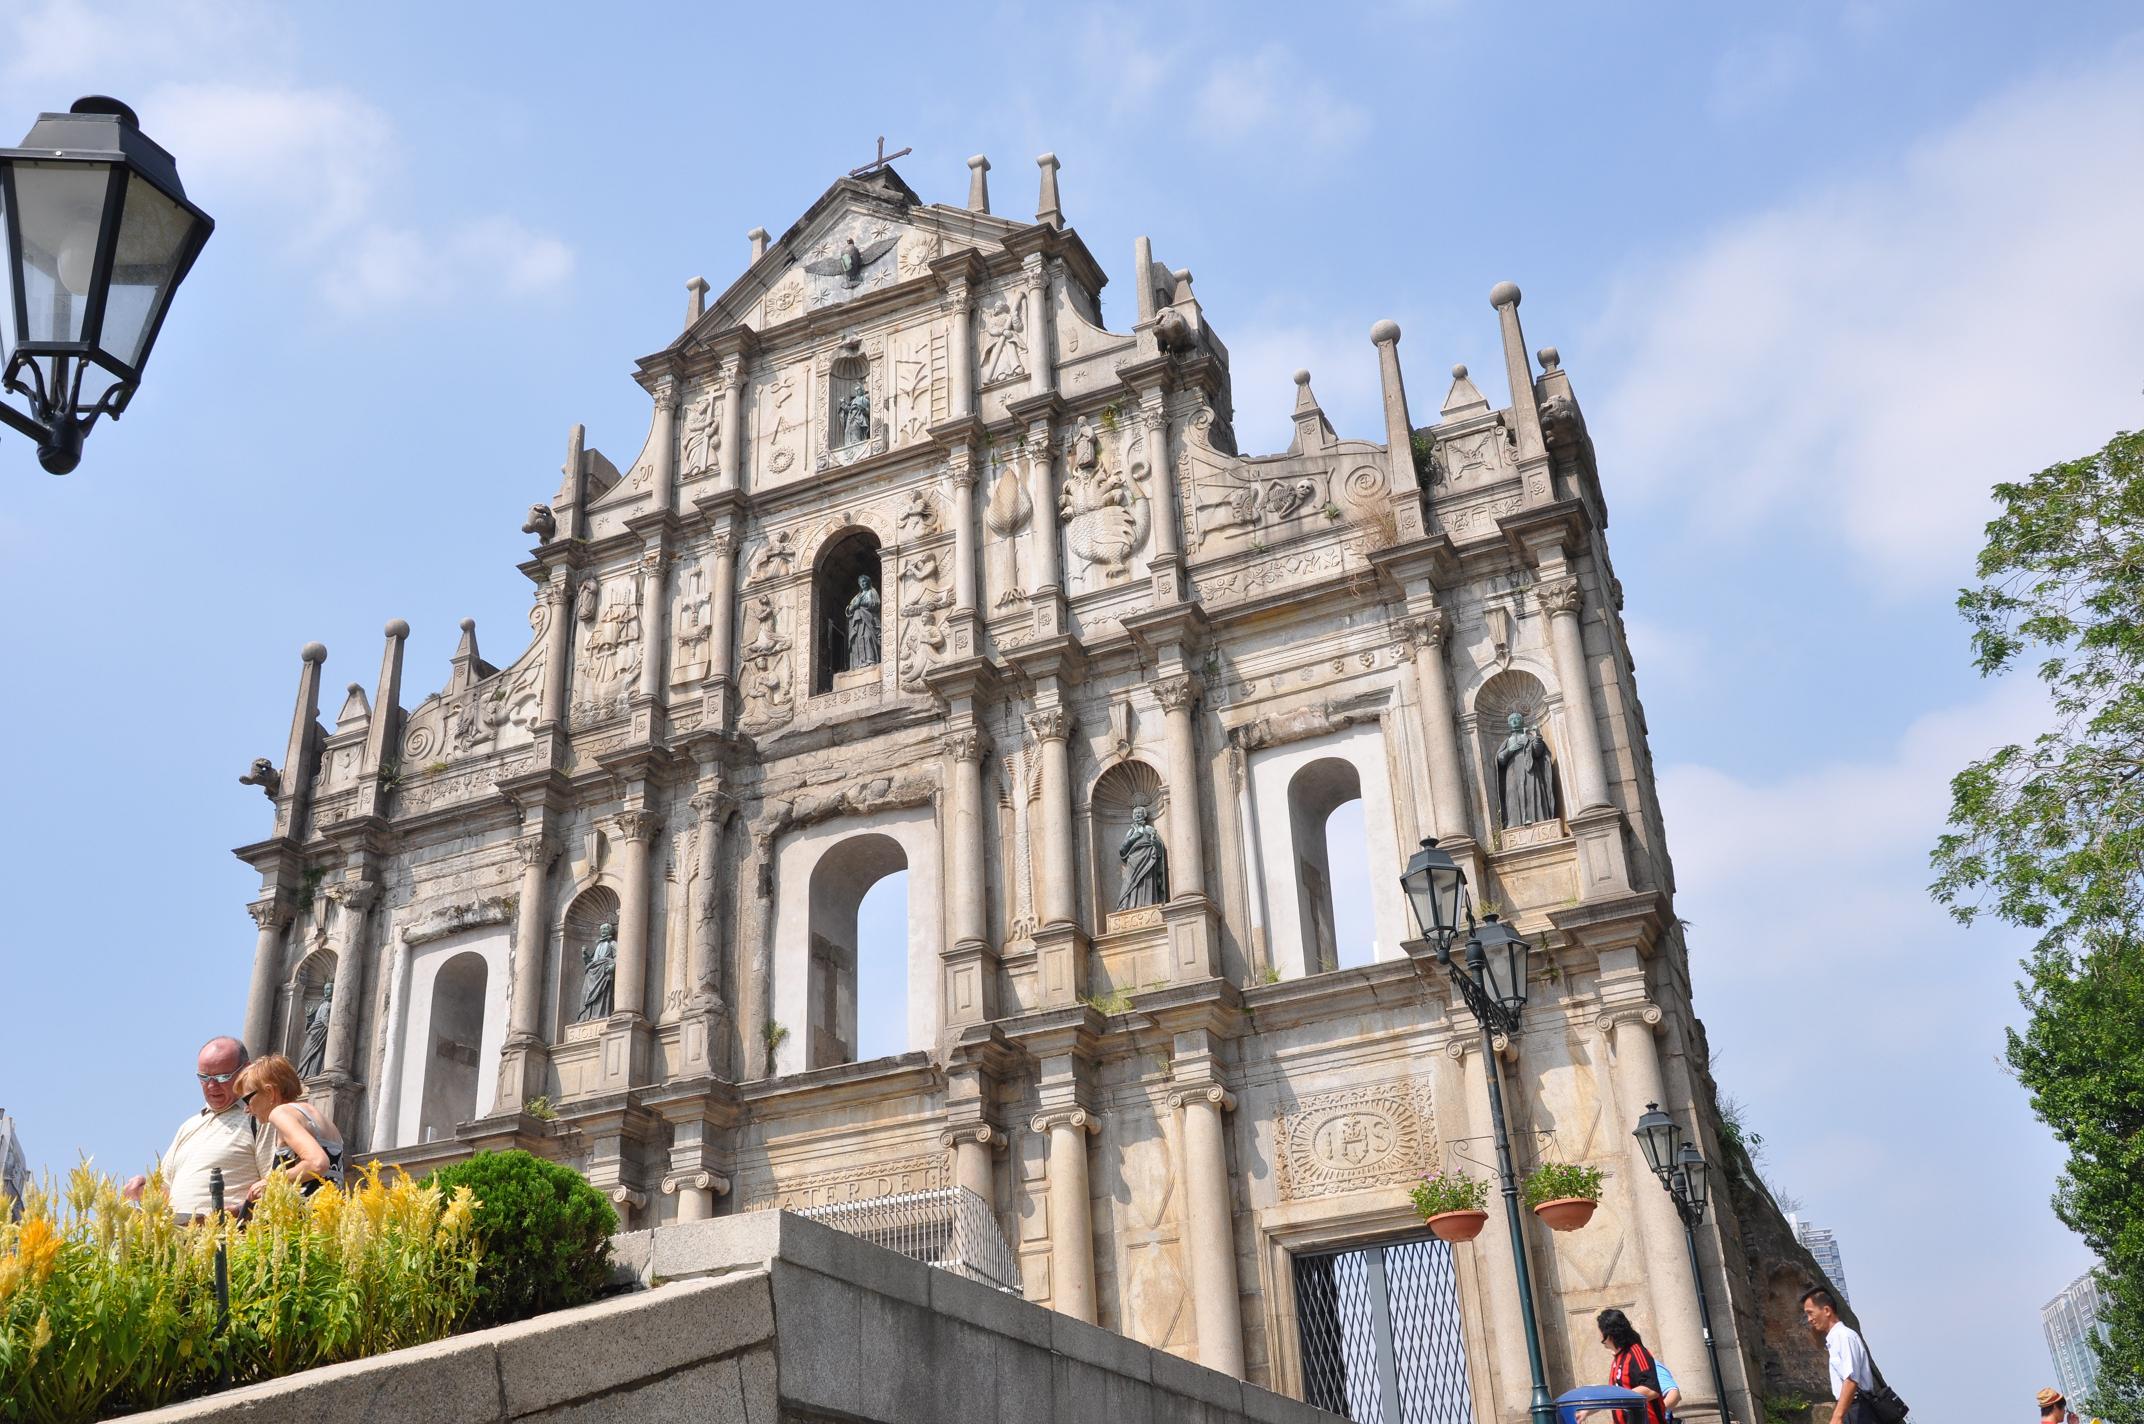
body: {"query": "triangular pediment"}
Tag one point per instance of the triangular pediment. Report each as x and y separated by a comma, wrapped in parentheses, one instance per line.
(861, 236)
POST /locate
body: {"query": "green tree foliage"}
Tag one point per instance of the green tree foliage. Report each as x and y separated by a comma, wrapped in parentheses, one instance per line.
(546, 1234)
(2050, 836)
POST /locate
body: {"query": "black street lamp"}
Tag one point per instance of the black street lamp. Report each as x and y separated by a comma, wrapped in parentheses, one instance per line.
(1493, 983)
(1682, 1172)
(98, 235)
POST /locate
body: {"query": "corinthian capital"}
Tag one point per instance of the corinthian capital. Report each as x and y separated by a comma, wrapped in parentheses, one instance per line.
(1560, 596)
(1177, 693)
(963, 746)
(640, 825)
(1430, 629)
(1053, 725)
(535, 848)
(666, 394)
(269, 914)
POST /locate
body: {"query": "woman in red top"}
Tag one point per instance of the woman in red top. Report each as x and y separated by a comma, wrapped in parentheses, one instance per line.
(1634, 1367)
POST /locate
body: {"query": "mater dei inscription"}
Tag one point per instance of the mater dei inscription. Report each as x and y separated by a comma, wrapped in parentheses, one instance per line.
(936, 578)
(1356, 1138)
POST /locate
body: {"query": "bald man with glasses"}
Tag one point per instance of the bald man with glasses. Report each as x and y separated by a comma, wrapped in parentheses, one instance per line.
(222, 1134)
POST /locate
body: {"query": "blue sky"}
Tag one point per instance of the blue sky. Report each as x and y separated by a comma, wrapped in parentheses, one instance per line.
(1820, 273)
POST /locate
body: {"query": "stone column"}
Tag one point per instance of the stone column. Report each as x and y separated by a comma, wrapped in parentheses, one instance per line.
(973, 1144)
(1187, 851)
(271, 916)
(654, 623)
(731, 475)
(557, 644)
(664, 438)
(639, 827)
(960, 353)
(1041, 352)
(1168, 531)
(966, 918)
(1071, 1213)
(1052, 728)
(1563, 599)
(695, 1195)
(722, 623)
(521, 1057)
(1440, 726)
(355, 897)
(1210, 1228)
(1631, 1027)
(963, 532)
(1049, 557)
(703, 953)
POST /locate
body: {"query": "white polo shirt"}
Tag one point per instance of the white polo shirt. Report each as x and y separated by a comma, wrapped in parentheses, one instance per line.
(1848, 1358)
(230, 1139)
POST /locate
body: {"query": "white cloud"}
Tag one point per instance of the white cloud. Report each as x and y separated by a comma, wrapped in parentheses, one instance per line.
(315, 168)
(1868, 358)
(1267, 95)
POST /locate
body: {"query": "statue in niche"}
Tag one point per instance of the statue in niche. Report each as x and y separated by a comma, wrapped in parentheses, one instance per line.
(703, 428)
(1146, 864)
(599, 972)
(863, 624)
(312, 1059)
(856, 416)
(584, 601)
(1004, 339)
(1525, 775)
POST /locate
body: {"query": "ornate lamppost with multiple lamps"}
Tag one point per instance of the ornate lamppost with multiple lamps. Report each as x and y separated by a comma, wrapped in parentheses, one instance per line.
(1491, 978)
(1682, 1172)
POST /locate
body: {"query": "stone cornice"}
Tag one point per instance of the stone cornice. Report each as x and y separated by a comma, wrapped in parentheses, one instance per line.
(1562, 523)
(1060, 657)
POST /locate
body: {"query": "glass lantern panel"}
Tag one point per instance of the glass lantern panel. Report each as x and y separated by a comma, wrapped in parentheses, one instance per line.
(153, 234)
(7, 293)
(61, 208)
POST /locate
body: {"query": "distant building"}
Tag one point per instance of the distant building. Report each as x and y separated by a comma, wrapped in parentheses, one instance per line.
(14, 1171)
(1823, 1245)
(2071, 1319)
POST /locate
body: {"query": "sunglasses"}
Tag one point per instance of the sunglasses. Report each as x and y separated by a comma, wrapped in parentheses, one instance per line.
(217, 1077)
(245, 1100)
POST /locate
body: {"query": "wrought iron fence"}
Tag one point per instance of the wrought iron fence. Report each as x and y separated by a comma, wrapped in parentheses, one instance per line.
(947, 1227)
(1382, 1342)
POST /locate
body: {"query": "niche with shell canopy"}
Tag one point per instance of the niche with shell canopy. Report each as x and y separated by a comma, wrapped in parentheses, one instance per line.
(590, 911)
(1514, 813)
(1123, 788)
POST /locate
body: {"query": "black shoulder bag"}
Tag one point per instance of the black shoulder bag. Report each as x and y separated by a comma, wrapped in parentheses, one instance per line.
(1883, 1400)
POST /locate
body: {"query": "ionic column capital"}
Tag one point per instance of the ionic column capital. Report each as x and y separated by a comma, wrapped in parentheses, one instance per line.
(1642, 1011)
(978, 1132)
(1077, 1117)
(1560, 596)
(1209, 1093)
(700, 1180)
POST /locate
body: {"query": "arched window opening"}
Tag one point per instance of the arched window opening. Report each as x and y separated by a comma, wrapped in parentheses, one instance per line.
(455, 1054)
(847, 609)
(882, 969)
(1314, 793)
(839, 884)
(1347, 842)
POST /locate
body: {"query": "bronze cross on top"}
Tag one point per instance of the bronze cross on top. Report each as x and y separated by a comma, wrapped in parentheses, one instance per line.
(881, 161)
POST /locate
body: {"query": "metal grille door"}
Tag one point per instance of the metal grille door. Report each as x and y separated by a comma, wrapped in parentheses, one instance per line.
(1381, 1336)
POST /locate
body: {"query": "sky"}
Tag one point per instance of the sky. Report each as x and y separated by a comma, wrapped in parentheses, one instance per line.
(1820, 273)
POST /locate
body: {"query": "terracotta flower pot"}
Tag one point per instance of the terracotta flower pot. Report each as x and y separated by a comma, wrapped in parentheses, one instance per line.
(1457, 1226)
(1566, 1213)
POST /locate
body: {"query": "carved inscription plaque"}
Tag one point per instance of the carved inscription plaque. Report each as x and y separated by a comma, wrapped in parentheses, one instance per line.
(1369, 1136)
(884, 1179)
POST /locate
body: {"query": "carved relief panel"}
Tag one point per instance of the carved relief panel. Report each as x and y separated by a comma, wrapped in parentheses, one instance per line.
(1378, 1134)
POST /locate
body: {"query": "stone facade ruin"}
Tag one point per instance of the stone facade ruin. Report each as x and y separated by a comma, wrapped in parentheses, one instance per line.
(1088, 612)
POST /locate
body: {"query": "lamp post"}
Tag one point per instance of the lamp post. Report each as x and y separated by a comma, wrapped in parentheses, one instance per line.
(1682, 1172)
(97, 234)
(1493, 984)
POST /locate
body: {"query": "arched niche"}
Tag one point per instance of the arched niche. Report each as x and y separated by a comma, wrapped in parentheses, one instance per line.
(455, 1061)
(1515, 691)
(822, 874)
(593, 908)
(1316, 790)
(308, 981)
(449, 1018)
(837, 578)
(1127, 786)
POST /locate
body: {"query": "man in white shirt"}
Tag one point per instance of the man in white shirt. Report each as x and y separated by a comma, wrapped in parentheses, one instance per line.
(1852, 1376)
(223, 1134)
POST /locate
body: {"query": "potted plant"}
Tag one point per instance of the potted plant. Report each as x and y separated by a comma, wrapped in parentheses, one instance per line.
(1454, 1206)
(1562, 1195)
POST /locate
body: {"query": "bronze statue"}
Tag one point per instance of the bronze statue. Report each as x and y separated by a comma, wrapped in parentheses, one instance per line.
(1146, 864)
(863, 624)
(599, 971)
(856, 416)
(314, 1056)
(1525, 776)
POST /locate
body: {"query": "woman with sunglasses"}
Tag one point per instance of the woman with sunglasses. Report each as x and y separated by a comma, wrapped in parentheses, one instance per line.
(309, 1147)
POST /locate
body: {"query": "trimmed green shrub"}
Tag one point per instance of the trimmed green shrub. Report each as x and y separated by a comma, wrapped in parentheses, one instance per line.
(546, 1234)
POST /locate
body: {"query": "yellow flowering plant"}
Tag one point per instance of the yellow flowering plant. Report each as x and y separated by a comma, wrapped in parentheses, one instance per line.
(106, 1306)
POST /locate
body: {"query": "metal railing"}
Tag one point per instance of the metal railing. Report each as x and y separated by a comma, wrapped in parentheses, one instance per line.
(947, 1227)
